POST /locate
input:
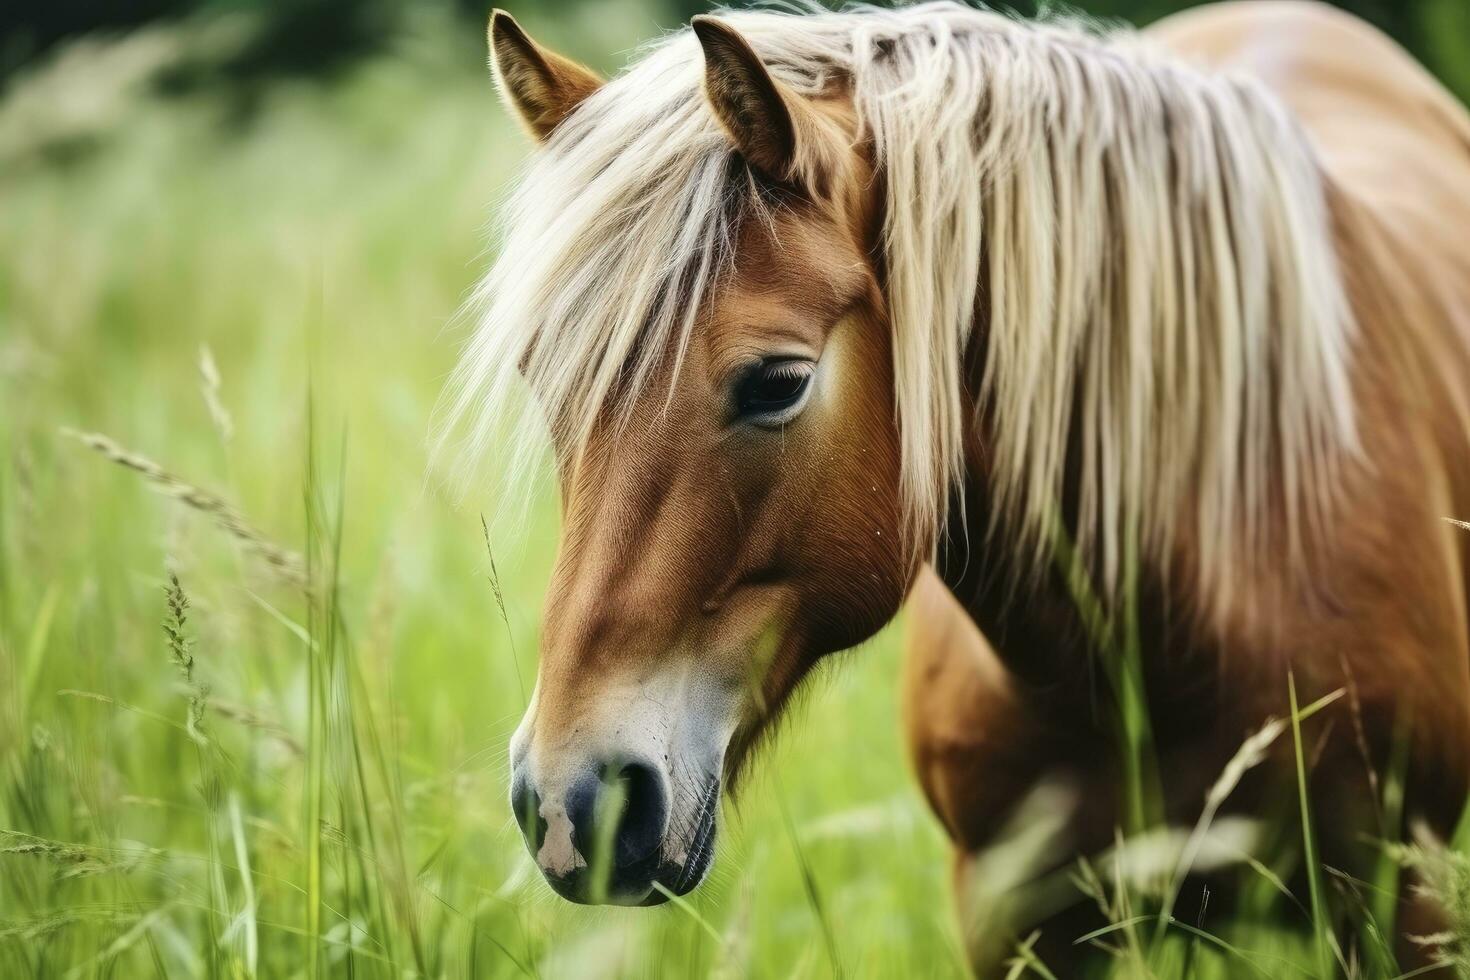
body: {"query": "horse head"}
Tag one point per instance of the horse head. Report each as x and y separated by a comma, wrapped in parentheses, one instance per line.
(730, 505)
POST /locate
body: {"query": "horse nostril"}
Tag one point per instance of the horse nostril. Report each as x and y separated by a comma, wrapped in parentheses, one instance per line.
(526, 804)
(645, 814)
(631, 795)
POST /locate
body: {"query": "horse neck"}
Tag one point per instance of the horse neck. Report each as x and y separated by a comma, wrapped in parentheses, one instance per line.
(1202, 332)
(1032, 616)
(1029, 612)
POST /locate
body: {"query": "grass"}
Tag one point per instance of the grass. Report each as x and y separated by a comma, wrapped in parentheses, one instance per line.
(221, 337)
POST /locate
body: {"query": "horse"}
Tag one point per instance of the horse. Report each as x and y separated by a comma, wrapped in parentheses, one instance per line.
(1031, 325)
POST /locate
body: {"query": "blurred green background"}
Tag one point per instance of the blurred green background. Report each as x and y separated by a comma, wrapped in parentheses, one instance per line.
(321, 37)
(234, 237)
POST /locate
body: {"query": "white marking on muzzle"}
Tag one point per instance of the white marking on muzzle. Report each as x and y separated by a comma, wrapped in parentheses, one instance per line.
(558, 855)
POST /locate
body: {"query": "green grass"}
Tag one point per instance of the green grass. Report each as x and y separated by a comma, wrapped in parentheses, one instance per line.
(211, 771)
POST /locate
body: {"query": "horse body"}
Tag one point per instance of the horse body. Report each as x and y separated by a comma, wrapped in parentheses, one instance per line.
(808, 301)
(1384, 615)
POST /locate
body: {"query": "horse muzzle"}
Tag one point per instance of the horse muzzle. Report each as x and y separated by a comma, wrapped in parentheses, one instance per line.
(611, 832)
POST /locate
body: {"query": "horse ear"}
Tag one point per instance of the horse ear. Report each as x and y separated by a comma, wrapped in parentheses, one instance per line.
(754, 108)
(540, 86)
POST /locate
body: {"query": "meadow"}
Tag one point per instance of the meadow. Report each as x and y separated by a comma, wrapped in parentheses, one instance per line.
(259, 672)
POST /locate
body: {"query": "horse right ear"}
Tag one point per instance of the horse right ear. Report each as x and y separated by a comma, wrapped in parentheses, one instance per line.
(754, 109)
(541, 87)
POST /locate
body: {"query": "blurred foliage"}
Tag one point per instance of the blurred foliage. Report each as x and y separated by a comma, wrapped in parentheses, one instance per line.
(319, 37)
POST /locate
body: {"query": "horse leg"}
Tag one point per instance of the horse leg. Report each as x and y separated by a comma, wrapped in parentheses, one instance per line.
(1015, 798)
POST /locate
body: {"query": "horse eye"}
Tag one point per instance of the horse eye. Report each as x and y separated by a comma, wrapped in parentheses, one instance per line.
(771, 389)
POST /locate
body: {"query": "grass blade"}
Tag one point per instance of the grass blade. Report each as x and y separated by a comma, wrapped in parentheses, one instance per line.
(1320, 927)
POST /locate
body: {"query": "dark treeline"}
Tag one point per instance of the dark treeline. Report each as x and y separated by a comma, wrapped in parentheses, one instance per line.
(317, 37)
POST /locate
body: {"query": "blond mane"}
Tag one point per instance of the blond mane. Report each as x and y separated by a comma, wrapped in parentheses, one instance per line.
(1143, 250)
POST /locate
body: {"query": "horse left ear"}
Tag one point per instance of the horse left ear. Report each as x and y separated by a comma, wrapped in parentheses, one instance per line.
(759, 114)
(541, 86)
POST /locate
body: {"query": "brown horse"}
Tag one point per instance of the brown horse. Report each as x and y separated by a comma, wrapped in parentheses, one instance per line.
(825, 312)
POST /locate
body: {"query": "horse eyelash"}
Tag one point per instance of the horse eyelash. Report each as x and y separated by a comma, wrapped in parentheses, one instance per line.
(790, 368)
